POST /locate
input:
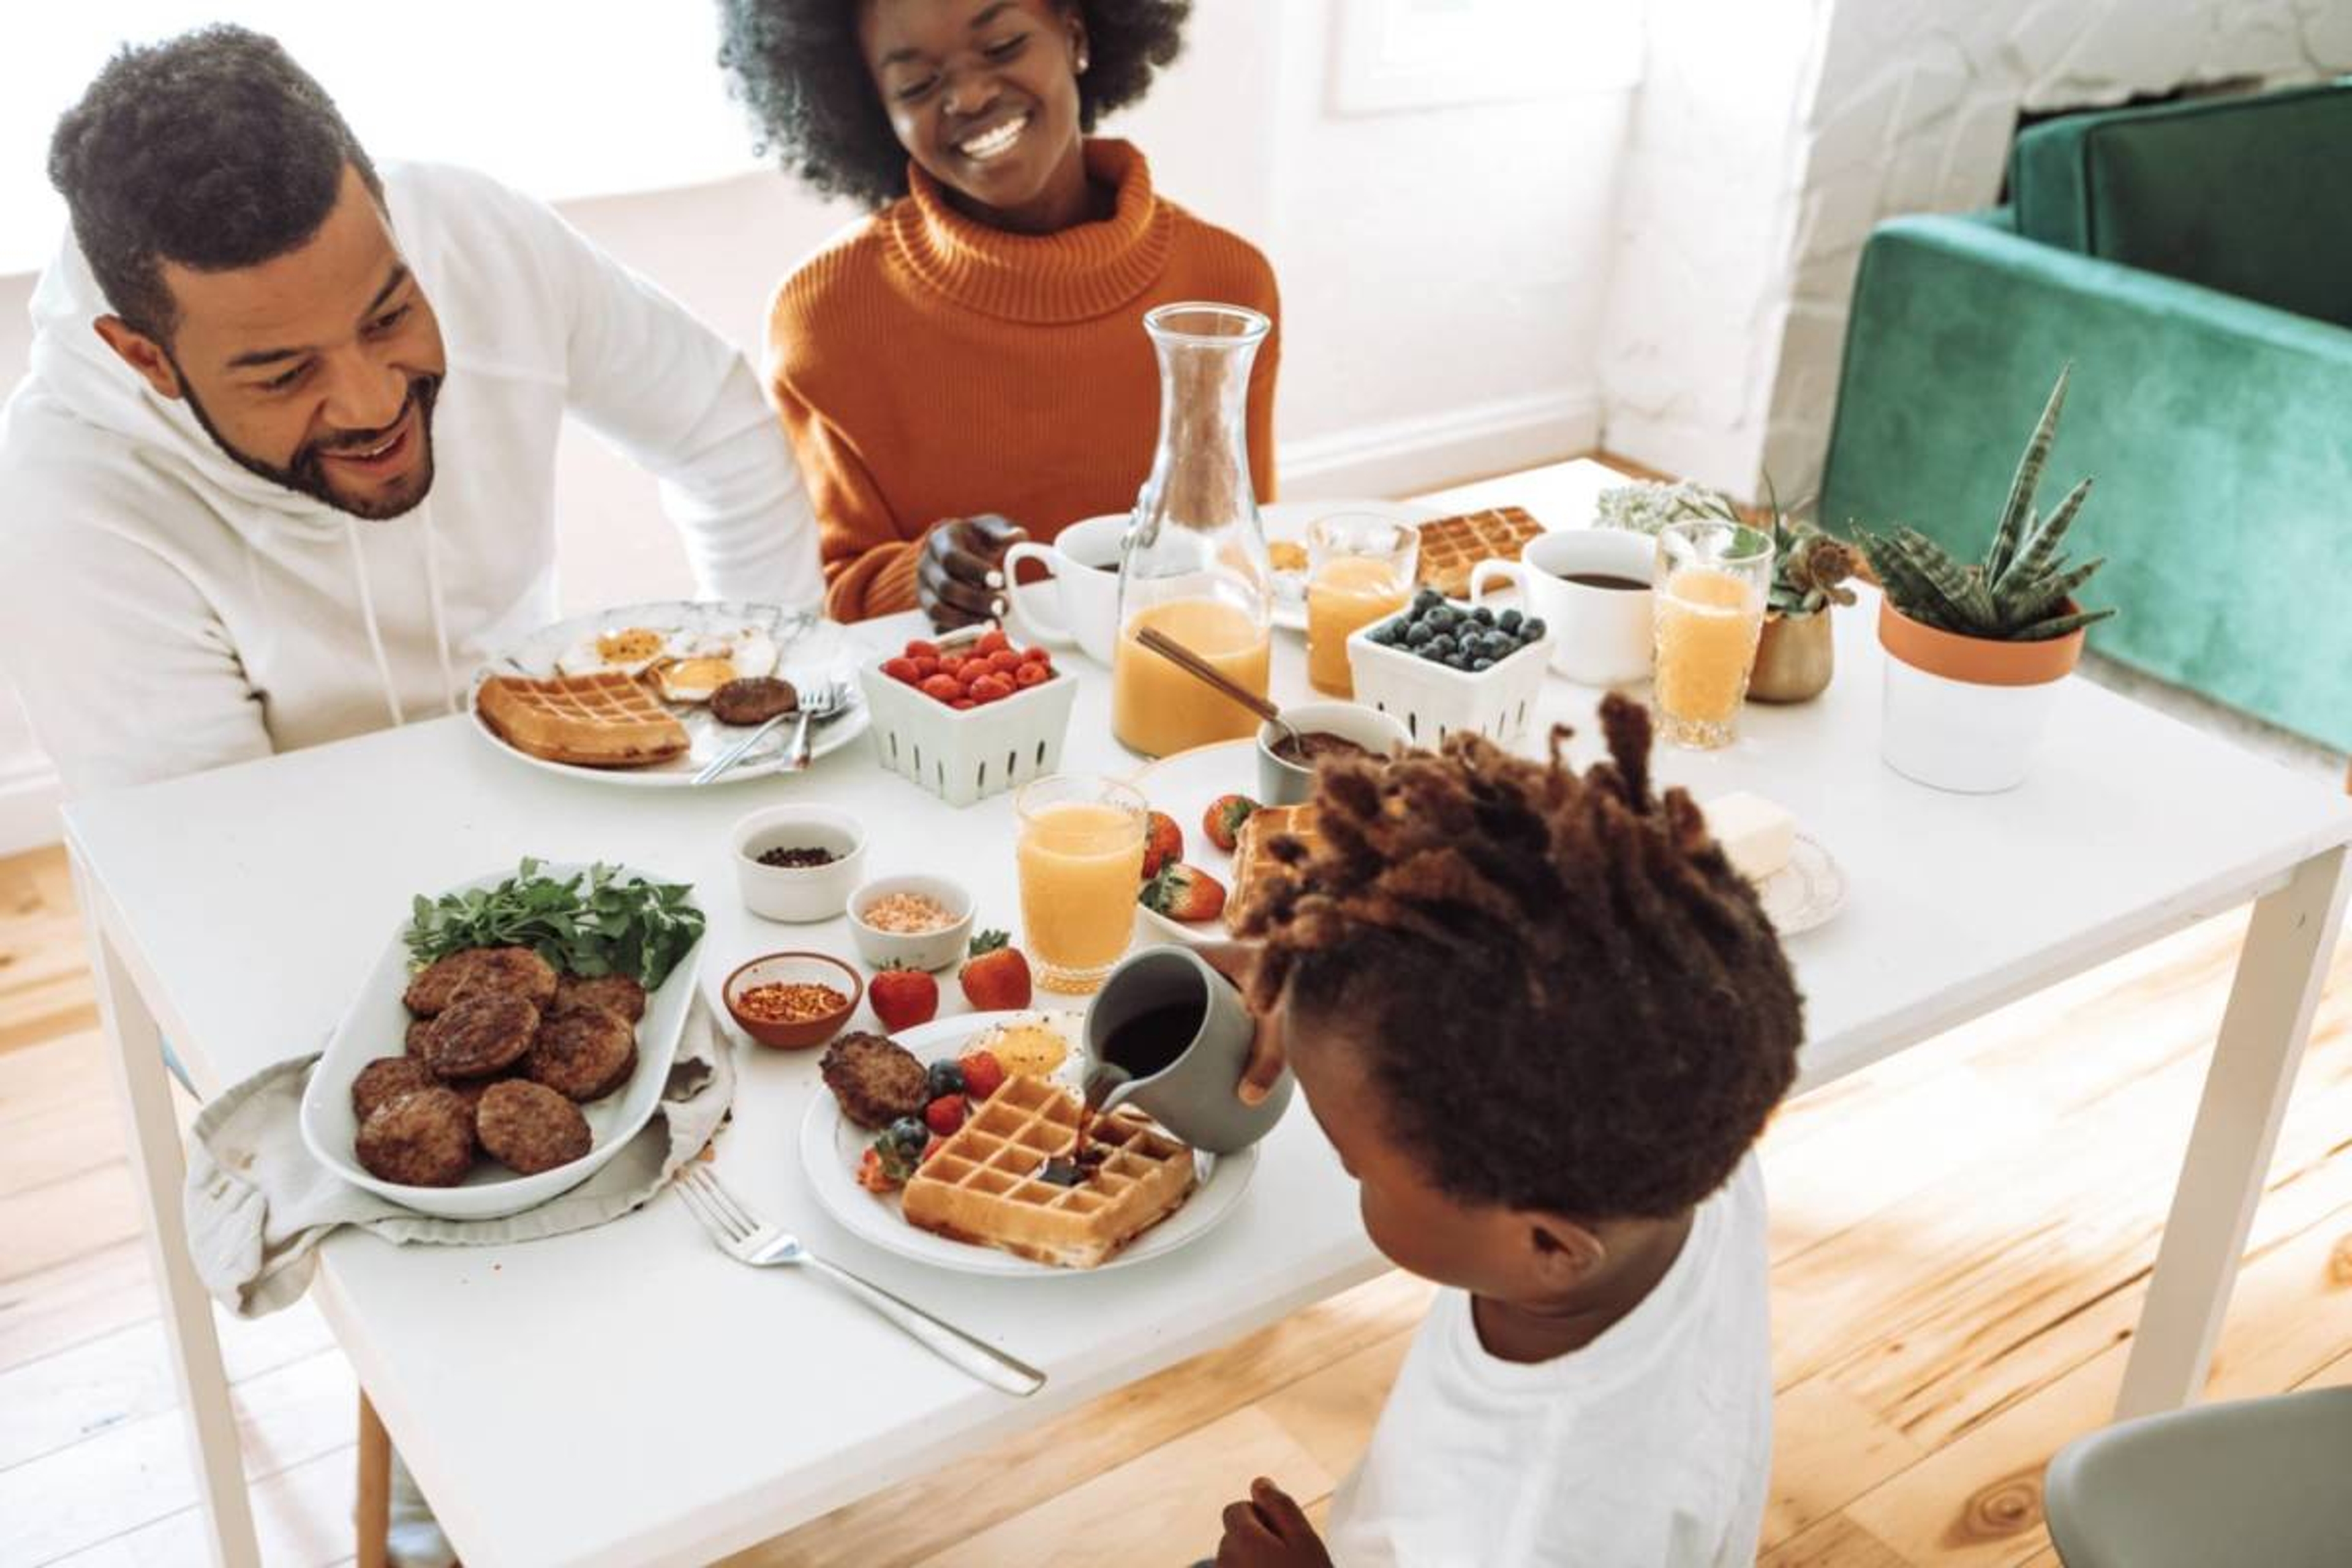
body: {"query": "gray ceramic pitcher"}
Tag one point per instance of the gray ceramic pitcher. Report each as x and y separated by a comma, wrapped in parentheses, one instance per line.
(1191, 1095)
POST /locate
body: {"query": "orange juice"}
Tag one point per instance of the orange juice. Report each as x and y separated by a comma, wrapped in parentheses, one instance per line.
(1707, 623)
(1158, 710)
(1081, 863)
(1346, 592)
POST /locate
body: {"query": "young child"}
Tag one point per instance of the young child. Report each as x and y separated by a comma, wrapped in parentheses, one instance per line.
(1542, 1021)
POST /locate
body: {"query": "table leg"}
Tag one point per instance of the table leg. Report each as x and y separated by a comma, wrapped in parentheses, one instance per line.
(158, 1162)
(372, 1517)
(2263, 1031)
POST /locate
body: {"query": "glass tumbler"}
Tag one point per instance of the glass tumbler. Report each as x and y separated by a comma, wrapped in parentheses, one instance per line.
(1080, 856)
(1359, 569)
(1712, 578)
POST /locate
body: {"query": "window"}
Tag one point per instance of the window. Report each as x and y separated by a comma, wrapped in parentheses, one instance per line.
(559, 99)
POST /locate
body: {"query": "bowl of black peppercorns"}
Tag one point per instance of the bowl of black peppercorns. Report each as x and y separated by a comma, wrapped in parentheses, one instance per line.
(1441, 665)
(799, 863)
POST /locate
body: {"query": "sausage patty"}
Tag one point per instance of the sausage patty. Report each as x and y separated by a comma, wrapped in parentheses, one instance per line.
(385, 1079)
(753, 700)
(516, 969)
(420, 1140)
(614, 993)
(479, 1033)
(529, 1127)
(875, 1078)
(584, 1052)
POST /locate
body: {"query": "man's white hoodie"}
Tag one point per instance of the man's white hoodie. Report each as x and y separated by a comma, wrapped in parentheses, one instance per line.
(165, 610)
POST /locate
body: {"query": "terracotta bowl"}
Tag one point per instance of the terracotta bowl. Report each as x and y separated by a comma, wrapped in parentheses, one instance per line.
(789, 969)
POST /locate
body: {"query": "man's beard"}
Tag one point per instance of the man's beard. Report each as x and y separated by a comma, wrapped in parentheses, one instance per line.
(307, 474)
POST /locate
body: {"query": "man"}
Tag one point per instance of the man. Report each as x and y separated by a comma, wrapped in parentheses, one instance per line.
(283, 468)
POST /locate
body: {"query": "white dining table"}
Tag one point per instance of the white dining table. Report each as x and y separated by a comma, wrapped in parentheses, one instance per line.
(630, 1395)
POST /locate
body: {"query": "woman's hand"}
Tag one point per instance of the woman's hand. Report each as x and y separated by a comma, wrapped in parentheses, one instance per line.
(1237, 962)
(1267, 1529)
(959, 579)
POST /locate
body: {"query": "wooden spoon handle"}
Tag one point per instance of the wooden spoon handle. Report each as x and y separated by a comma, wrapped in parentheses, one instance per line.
(1177, 654)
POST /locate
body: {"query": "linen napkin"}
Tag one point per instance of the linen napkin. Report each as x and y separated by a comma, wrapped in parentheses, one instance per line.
(258, 1204)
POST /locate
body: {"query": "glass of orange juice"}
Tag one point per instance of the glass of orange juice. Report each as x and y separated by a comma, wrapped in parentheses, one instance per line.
(1359, 568)
(1080, 856)
(1712, 580)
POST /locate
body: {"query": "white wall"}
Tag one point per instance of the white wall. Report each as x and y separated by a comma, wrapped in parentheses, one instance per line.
(1772, 137)
(1442, 272)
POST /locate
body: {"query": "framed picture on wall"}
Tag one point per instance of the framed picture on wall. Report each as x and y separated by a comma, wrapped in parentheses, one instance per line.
(1392, 55)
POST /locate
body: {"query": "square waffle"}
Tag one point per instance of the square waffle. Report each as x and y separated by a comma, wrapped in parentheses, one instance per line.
(1251, 863)
(1450, 546)
(603, 720)
(981, 1186)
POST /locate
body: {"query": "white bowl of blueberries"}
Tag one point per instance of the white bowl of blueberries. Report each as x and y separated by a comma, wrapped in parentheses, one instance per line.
(1441, 666)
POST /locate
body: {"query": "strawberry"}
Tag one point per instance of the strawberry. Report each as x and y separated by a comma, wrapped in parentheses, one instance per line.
(919, 649)
(903, 998)
(991, 689)
(993, 640)
(984, 1075)
(1036, 655)
(1224, 822)
(1164, 844)
(926, 666)
(964, 704)
(1184, 893)
(1030, 675)
(943, 687)
(874, 1175)
(996, 977)
(902, 670)
(944, 1115)
(1004, 661)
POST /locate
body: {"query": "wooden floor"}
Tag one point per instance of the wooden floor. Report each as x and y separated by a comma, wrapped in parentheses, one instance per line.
(1960, 1240)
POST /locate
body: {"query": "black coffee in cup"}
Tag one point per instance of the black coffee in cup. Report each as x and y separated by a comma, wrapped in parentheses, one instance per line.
(1604, 580)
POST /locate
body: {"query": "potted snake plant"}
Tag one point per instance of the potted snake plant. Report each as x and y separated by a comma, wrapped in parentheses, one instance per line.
(1976, 653)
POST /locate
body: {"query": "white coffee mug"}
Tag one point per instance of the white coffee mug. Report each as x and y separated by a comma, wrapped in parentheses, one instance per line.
(1084, 558)
(1600, 634)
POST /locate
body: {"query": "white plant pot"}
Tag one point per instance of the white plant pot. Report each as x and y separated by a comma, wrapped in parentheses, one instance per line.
(1963, 713)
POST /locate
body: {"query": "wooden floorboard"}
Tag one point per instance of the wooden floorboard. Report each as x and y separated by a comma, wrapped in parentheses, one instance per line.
(1960, 1240)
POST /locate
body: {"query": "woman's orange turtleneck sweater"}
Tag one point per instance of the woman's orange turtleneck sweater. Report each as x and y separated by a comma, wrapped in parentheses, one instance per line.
(929, 367)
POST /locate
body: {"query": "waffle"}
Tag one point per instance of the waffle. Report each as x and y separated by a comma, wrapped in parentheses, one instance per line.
(1251, 863)
(976, 1188)
(602, 721)
(1450, 546)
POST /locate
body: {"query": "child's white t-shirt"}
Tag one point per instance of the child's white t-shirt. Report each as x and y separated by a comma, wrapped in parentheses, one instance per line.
(1650, 1448)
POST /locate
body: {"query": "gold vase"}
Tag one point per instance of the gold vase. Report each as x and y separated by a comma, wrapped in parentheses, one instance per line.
(1794, 658)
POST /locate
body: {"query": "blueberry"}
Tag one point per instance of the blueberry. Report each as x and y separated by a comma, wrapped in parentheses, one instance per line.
(1432, 656)
(1419, 634)
(1510, 620)
(1444, 618)
(1426, 600)
(1460, 661)
(1483, 615)
(909, 1134)
(1532, 628)
(946, 1077)
(1477, 665)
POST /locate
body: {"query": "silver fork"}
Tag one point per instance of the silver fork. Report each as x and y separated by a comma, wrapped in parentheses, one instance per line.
(742, 1236)
(826, 703)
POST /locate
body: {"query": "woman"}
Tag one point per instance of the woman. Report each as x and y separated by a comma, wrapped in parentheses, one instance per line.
(976, 346)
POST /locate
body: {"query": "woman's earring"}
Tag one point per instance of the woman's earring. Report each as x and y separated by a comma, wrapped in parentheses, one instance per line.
(1082, 62)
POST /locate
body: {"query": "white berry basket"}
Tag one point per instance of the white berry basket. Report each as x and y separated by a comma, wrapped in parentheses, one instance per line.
(968, 755)
(1432, 700)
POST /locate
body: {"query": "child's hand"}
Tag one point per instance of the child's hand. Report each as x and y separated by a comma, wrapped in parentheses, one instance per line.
(1237, 962)
(1269, 1530)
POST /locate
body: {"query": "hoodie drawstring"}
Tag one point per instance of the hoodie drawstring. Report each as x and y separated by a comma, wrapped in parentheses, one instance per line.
(367, 615)
(433, 596)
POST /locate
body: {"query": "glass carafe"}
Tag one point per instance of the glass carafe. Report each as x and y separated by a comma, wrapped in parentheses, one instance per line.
(1194, 563)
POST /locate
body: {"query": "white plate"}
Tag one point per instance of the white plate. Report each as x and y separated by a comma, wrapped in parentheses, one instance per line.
(831, 1146)
(1182, 786)
(1805, 893)
(1289, 521)
(814, 651)
(376, 1025)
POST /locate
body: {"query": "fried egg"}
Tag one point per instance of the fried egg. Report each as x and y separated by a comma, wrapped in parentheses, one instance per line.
(631, 650)
(701, 662)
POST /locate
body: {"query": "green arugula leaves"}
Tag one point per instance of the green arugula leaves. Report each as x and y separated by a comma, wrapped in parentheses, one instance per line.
(589, 923)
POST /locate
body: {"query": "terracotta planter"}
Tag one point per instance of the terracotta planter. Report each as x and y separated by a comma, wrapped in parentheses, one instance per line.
(1965, 713)
(1794, 658)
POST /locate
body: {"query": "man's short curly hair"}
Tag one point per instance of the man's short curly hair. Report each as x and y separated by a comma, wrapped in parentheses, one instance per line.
(1561, 992)
(796, 66)
(212, 150)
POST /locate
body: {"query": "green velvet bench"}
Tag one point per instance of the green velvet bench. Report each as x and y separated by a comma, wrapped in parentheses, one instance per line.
(2194, 262)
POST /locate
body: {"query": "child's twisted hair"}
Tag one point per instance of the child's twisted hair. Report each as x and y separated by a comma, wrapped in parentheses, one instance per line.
(1564, 994)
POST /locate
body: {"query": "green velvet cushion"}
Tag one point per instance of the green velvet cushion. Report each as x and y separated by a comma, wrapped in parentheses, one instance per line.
(2249, 195)
(2220, 434)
